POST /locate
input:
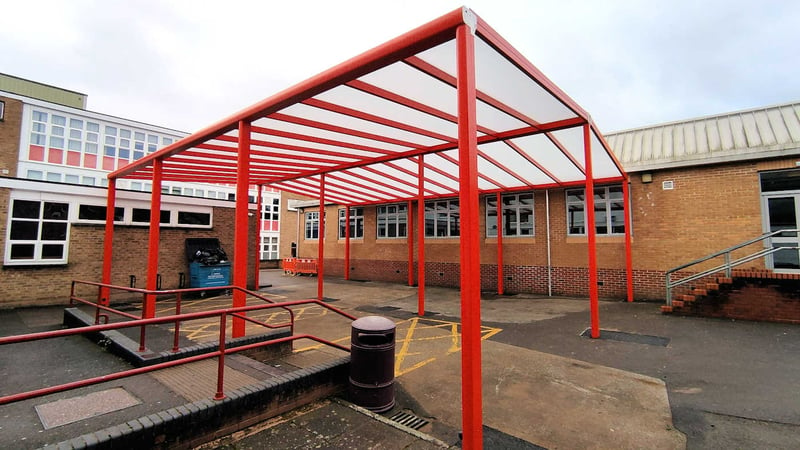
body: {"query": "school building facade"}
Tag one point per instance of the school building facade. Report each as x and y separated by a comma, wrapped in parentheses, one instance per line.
(54, 158)
(696, 187)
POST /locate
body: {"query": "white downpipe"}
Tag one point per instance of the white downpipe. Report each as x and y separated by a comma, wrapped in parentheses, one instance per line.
(549, 266)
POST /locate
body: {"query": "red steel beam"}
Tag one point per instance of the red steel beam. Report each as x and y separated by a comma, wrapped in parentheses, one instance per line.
(626, 199)
(259, 218)
(342, 130)
(471, 389)
(382, 184)
(347, 242)
(149, 308)
(108, 242)
(321, 140)
(420, 236)
(591, 235)
(240, 227)
(500, 285)
(410, 239)
(321, 240)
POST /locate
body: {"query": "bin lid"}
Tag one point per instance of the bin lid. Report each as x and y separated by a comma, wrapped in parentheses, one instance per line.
(373, 323)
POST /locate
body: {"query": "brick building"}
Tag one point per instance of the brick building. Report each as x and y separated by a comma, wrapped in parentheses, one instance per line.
(696, 187)
(54, 158)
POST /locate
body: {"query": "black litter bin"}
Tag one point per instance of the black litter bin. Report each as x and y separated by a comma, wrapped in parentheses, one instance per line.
(209, 266)
(372, 363)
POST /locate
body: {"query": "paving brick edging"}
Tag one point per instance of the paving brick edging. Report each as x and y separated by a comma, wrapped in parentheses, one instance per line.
(198, 422)
(128, 349)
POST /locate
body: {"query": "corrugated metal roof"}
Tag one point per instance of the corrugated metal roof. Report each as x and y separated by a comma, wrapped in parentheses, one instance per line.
(751, 134)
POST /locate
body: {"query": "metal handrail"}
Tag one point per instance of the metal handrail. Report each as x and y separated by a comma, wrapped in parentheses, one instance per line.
(728, 264)
(220, 353)
(179, 295)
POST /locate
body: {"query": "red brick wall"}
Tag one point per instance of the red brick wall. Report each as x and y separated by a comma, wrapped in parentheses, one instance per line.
(710, 208)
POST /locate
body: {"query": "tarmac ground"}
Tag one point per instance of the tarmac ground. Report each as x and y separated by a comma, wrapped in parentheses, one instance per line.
(650, 381)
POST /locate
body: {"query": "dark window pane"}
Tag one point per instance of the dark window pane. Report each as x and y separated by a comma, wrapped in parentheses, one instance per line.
(140, 215)
(52, 251)
(56, 211)
(54, 231)
(91, 212)
(24, 209)
(784, 180)
(165, 216)
(193, 218)
(22, 230)
(22, 251)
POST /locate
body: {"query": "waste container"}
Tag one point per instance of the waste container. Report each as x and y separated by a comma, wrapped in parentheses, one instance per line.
(372, 363)
(209, 266)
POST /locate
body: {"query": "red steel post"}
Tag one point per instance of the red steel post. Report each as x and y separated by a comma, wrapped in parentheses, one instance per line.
(591, 234)
(108, 242)
(221, 358)
(321, 239)
(421, 236)
(347, 242)
(410, 234)
(626, 199)
(149, 310)
(471, 390)
(240, 226)
(500, 286)
(259, 220)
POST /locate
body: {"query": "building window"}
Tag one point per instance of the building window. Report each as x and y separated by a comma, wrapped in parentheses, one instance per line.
(442, 218)
(193, 218)
(356, 223)
(392, 221)
(38, 232)
(141, 215)
(2, 110)
(97, 213)
(609, 215)
(517, 210)
(312, 225)
(269, 247)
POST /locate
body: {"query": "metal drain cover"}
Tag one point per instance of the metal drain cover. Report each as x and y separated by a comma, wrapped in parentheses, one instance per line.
(410, 420)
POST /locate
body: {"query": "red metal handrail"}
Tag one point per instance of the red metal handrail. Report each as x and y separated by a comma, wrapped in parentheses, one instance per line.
(98, 304)
(220, 353)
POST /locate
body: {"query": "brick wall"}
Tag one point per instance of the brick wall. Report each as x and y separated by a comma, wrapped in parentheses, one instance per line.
(9, 136)
(710, 208)
(44, 285)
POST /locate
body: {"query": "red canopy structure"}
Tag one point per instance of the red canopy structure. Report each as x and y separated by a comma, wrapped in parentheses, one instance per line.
(447, 109)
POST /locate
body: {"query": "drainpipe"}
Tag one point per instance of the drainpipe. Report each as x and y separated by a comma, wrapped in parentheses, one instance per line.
(549, 265)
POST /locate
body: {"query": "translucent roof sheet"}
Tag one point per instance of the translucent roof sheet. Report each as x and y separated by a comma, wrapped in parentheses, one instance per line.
(366, 123)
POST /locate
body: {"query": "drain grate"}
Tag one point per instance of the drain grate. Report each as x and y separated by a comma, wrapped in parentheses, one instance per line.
(410, 420)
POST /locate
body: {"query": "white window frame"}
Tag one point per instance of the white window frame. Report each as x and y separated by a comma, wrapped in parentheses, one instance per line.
(311, 231)
(602, 205)
(356, 223)
(511, 211)
(450, 215)
(392, 221)
(38, 242)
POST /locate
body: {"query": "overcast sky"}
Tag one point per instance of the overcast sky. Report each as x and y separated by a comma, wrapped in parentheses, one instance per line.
(187, 64)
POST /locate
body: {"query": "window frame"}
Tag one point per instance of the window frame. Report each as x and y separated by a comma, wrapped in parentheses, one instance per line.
(311, 219)
(39, 242)
(515, 208)
(451, 213)
(606, 200)
(356, 219)
(391, 220)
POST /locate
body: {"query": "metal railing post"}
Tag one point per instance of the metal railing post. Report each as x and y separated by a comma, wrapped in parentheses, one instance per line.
(221, 359)
(142, 328)
(728, 269)
(176, 339)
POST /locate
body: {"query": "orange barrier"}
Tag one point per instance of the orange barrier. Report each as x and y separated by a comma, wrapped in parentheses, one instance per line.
(300, 266)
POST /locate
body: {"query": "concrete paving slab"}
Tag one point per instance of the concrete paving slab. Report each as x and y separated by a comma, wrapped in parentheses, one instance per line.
(552, 401)
(69, 410)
